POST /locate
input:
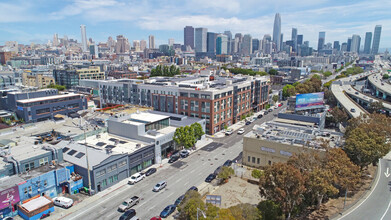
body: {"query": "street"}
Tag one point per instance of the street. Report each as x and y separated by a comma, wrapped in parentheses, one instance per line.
(180, 176)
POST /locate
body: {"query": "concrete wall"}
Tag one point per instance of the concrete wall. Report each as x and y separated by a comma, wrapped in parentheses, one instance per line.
(266, 151)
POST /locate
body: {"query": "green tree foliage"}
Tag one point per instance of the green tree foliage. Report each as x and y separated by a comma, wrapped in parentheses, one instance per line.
(184, 136)
(189, 205)
(267, 106)
(386, 76)
(197, 130)
(58, 87)
(339, 115)
(246, 72)
(275, 98)
(283, 184)
(273, 72)
(327, 74)
(161, 70)
(269, 210)
(288, 91)
(245, 211)
(256, 173)
(225, 173)
(375, 107)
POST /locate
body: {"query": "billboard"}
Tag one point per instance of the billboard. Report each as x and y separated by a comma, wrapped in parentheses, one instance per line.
(309, 101)
(9, 197)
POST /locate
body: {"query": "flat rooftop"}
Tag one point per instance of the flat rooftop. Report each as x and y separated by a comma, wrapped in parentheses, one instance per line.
(294, 134)
(147, 117)
(48, 98)
(36, 203)
(9, 181)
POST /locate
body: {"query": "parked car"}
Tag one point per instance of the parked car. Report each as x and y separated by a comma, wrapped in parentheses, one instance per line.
(136, 178)
(184, 153)
(159, 186)
(63, 202)
(229, 132)
(248, 122)
(260, 115)
(128, 203)
(156, 218)
(265, 113)
(279, 105)
(193, 188)
(270, 109)
(217, 171)
(227, 163)
(167, 211)
(241, 131)
(179, 200)
(174, 158)
(128, 215)
(210, 178)
(150, 171)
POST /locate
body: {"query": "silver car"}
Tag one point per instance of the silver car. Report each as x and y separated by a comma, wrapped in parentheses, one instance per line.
(161, 185)
(128, 203)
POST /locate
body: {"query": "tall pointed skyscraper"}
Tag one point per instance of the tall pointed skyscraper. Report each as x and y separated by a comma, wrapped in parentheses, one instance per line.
(277, 31)
(376, 39)
(83, 37)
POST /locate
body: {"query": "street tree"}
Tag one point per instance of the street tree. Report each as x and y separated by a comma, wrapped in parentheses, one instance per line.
(339, 115)
(188, 207)
(275, 98)
(375, 107)
(273, 72)
(225, 173)
(256, 173)
(386, 76)
(245, 211)
(185, 137)
(285, 185)
(197, 129)
(288, 91)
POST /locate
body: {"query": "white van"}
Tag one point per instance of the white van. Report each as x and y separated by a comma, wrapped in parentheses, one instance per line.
(63, 202)
(136, 178)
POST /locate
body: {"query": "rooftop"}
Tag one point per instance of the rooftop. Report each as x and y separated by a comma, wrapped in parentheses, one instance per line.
(48, 98)
(9, 181)
(294, 134)
(147, 117)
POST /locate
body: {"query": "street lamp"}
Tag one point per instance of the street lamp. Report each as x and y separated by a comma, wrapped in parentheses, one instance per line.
(203, 214)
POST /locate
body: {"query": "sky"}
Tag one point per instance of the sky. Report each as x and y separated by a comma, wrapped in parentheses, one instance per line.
(36, 21)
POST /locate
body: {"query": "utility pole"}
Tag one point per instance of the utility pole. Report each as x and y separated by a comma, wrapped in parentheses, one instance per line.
(88, 163)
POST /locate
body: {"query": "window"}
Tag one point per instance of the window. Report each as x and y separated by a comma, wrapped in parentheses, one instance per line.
(115, 178)
(43, 161)
(122, 163)
(104, 183)
(29, 166)
(248, 159)
(194, 95)
(110, 180)
(258, 160)
(30, 189)
(45, 183)
(25, 190)
(253, 159)
(270, 163)
(112, 167)
(101, 173)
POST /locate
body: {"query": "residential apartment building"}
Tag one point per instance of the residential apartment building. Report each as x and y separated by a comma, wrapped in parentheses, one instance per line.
(220, 101)
(70, 77)
(38, 80)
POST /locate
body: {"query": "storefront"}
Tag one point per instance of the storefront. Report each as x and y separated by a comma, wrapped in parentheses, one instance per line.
(8, 201)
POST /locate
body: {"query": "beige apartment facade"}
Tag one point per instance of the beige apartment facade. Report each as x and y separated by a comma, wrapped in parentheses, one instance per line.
(91, 73)
(38, 80)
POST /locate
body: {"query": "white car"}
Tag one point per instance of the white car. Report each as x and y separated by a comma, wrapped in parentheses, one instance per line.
(228, 132)
(241, 131)
(136, 178)
(63, 202)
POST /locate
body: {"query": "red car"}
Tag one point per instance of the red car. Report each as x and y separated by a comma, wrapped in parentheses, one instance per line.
(156, 218)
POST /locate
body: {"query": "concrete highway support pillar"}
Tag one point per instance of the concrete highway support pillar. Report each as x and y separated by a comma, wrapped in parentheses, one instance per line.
(377, 93)
(384, 96)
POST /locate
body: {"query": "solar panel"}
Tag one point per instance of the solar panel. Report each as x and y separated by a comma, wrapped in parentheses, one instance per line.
(109, 147)
(65, 149)
(113, 139)
(123, 142)
(72, 152)
(80, 155)
(100, 144)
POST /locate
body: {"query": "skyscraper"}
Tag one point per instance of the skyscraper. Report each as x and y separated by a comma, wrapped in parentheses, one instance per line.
(200, 39)
(221, 44)
(238, 42)
(277, 31)
(355, 47)
(151, 39)
(55, 40)
(349, 44)
(255, 45)
(189, 36)
(171, 42)
(367, 43)
(376, 39)
(143, 45)
(281, 41)
(211, 43)
(294, 39)
(229, 35)
(247, 45)
(321, 40)
(336, 46)
(299, 39)
(83, 37)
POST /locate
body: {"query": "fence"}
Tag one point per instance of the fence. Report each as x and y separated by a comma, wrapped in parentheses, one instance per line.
(89, 133)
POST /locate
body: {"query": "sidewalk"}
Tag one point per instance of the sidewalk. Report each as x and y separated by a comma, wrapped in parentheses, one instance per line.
(61, 213)
(234, 127)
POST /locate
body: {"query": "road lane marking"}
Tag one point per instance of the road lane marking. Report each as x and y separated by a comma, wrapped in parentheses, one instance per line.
(386, 210)
(377, 181)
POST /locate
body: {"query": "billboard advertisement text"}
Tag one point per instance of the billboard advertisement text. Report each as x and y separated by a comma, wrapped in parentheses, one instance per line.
(309, 100)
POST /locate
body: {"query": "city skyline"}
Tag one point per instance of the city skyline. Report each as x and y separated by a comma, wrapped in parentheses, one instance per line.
(29, 22)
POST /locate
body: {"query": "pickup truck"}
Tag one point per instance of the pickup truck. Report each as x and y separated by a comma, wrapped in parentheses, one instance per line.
(128, 203)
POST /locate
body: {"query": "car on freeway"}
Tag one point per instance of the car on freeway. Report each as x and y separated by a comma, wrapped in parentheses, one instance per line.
(210, 178)
(128, 215)
(150, 171)
(241, 131)
(174, 158)
(193, 188)
(227, 163)
(137, 177)
(184, 153)
(179, 200)
(229, 132)
(353, 110)
(167, 211)
(63, 202)
(159, 186)
(128, 203)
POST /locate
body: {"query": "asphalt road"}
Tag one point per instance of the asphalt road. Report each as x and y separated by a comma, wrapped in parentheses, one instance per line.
(377, 204)
(180, 176)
